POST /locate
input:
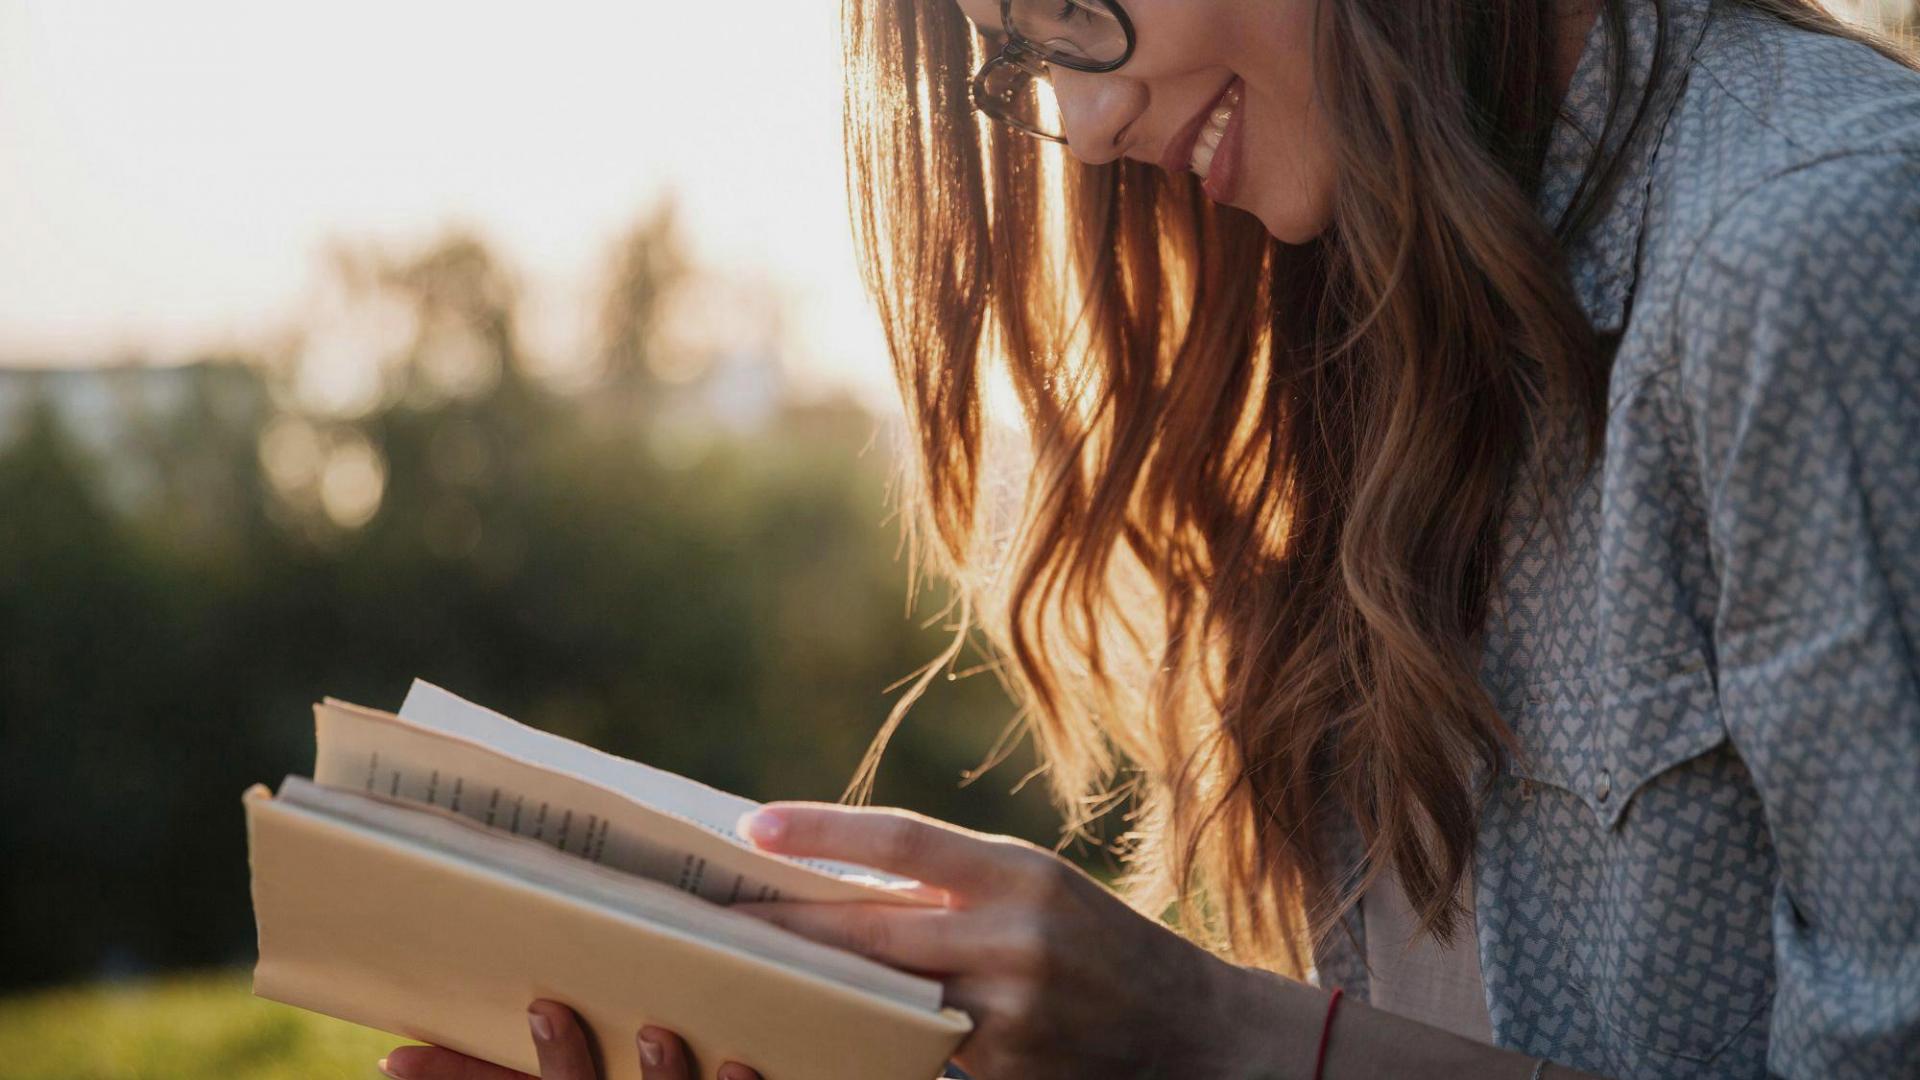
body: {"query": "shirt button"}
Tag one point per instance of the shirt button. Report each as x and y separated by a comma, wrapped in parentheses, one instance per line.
(1605, 786)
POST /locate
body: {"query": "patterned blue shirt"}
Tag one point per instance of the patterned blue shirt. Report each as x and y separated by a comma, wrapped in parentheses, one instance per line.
(1706, 862)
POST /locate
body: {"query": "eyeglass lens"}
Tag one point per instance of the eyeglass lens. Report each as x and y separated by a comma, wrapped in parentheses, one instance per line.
(1014, 95)
(1070, 33)
(1086, 31)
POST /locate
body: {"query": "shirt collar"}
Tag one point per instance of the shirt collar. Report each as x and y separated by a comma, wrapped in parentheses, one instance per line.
(1601, 263)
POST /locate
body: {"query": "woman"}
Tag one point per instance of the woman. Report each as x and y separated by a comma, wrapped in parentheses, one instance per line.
(1474, 455)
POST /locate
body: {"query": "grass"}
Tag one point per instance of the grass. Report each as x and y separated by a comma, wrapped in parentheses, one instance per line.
(191, 1027)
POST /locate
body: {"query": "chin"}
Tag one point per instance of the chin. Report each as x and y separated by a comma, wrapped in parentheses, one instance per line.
(1294, 235)
(1294, 221)
(1294, 229)
(1295, 210)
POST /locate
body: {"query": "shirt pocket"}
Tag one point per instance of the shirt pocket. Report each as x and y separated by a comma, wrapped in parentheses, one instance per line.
(1665, 868)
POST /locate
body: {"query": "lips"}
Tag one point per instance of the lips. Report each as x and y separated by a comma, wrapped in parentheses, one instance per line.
(1178, 156)
(1223, 177)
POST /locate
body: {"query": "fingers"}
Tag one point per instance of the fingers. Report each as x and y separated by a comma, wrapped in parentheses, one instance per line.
(440, 1063)
(560, 1043)
(664, 1057)
(898, 841)
(919, 939)
(564, 1053)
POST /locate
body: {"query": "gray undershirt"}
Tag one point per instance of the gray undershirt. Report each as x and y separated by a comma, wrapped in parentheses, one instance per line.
(1421, 979)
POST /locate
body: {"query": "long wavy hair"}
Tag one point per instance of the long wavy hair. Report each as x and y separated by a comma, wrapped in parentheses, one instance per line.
(1241, 591)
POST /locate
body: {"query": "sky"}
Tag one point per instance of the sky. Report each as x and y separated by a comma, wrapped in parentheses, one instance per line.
(169, 173)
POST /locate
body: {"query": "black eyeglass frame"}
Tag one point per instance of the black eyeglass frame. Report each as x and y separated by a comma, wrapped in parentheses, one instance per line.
(1029, 56)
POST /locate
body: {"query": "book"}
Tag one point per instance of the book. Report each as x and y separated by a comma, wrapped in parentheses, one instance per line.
(445, 866)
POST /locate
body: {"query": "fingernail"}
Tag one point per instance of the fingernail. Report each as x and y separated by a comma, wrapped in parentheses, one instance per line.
(762, 825)
(650, 1052)
(542, 1027)
(385, 1071)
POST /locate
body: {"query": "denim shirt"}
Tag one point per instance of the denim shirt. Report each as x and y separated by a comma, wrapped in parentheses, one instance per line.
(1705, 862)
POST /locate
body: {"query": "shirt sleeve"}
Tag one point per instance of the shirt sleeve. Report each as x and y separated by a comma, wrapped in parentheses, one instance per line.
(1798, 353)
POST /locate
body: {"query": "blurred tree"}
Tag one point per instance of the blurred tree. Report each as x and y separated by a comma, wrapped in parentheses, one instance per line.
(176, 592)
(646, 266)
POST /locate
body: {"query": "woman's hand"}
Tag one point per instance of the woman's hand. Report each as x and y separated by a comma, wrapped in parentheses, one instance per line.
(563, 1052)
(1061, 977)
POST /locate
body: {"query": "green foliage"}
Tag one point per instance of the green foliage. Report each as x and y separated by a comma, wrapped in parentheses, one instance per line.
(617, 563)
(183, 1028)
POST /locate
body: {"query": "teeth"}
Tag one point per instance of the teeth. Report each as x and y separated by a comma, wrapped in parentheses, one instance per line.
(1208, 144)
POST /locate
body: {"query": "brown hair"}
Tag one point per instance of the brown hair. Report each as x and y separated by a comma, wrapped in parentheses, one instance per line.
(1265, 481)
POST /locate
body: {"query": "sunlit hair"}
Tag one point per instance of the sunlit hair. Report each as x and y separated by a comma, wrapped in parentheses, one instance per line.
(1243, 591)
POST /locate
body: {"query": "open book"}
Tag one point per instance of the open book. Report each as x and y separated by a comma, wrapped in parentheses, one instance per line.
(446, 866)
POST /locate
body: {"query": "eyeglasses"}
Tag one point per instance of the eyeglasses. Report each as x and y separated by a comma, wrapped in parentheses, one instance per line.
(1014, 88)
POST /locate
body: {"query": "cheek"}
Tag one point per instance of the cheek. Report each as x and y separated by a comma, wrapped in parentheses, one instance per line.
(1288, 178)
(1291, 168)
(1290, 153)
(1187, 35)
(982, 13)
(1289, 174)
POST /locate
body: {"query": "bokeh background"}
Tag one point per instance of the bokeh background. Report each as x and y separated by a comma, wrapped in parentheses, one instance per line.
(518, 350)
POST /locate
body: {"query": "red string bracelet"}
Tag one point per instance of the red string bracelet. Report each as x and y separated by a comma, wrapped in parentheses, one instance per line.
(1326, 1029)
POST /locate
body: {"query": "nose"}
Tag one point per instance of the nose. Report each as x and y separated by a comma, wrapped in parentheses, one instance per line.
(1096, 111)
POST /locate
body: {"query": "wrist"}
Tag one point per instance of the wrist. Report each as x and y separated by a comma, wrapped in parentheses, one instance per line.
(1274, 1026)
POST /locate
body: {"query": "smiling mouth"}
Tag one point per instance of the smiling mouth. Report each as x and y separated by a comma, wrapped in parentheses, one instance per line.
(1196, 146)
(1207, 141)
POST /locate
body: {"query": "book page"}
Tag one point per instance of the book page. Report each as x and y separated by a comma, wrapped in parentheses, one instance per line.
(576, 800)
(430, 706)
(444, 831)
